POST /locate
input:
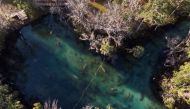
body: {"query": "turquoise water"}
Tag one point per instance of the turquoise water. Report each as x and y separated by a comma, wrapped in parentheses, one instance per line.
(58, 66)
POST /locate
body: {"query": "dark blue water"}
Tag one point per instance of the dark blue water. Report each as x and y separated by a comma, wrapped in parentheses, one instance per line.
(58, 66)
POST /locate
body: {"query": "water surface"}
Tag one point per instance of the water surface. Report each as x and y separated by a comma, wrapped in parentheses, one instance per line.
(58, 66)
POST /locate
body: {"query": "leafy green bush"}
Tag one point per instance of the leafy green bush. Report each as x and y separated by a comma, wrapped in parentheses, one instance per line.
(24, 5)
(137, 51)
(8, 99)
(183, 6)
(178, 87)
(162, 12)
(188, 49)
(158, 12)
(37, 106)
(106, 48)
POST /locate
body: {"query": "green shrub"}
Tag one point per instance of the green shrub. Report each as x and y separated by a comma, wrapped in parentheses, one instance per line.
(137, 51)
(37, 106)
(24, 5)
(158, 12)
(8, 100)
(178, 87)
(106, 48)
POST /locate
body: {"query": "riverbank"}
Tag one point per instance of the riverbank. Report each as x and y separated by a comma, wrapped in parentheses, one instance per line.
(127, 20)
(170, 82)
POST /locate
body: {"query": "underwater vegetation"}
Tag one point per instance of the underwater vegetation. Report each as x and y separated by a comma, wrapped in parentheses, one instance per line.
(56, 65)
(70, 73)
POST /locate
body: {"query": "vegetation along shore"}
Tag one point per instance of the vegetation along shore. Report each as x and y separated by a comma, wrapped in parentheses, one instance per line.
(116, 31)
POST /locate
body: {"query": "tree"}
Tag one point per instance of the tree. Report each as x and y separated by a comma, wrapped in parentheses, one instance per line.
(99, 22)
(158, 12)
(162, 12)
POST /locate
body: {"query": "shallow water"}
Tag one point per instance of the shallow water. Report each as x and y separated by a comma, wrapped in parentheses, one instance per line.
(58, 66)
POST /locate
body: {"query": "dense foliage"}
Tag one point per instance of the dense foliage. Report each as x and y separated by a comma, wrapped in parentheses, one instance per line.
(94, 18)
(162, 12)
(106, 48)
(117, 20)
(24, 5)
(178, 87)
(158, 12)
(122, 18)
(8, 99)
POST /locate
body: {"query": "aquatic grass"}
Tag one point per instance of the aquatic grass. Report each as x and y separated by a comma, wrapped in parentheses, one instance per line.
(69, 68)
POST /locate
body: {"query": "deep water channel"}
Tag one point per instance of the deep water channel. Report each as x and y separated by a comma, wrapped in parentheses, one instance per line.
(54, 64)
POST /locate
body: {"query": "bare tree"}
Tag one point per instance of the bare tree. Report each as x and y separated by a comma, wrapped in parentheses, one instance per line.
(176, 54)
(113, 25)
(51, 105)
(112, 22)
(135, 4)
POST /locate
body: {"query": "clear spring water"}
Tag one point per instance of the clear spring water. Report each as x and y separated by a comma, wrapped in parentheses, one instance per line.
(58, 66)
